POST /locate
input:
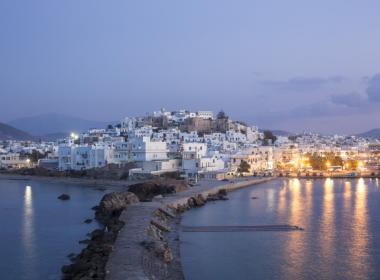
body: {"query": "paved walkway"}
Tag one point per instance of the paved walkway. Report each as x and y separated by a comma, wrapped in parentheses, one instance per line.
(126, 261)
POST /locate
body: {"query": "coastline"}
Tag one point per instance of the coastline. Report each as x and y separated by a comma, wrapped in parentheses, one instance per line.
(101, 184)
(147, 247)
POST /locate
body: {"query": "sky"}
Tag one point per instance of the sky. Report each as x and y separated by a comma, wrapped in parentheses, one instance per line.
(293, 65)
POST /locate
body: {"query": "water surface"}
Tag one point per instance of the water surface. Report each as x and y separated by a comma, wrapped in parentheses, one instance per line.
(38, 231)
(341, 238)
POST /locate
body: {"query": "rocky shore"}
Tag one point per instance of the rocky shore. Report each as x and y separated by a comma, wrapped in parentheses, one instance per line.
(91, 262)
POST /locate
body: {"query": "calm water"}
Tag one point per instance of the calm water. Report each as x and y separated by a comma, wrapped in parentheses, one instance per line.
(341, 238)
(38, 231)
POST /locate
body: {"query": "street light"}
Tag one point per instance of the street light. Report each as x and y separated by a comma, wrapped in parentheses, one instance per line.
(328, 164)
(74, 136)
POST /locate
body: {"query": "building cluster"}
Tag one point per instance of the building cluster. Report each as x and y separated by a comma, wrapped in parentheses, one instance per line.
(194, 144)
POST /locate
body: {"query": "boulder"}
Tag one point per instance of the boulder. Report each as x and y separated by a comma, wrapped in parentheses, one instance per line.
(196, 201)
(220, 195)
(88, 221)
(148, 190)
(113, 204)
(64, 197)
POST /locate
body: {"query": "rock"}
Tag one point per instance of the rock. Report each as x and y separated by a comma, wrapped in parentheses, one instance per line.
(220, 195)
(113, 204)
(158, 197)
(163, 252)
(254, 197)
(196, 201)
(222, 192)
(88, 221)
(91, 262)
(160, 226)
(64, 197)
(71, 256)
(160, 250)
(148, 190)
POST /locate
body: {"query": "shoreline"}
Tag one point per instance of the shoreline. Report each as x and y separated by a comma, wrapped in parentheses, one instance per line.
(147, 247)
(331, 177)
(101, 184)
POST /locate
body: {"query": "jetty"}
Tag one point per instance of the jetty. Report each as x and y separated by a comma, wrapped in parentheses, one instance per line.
(132, 257)
(241, 228)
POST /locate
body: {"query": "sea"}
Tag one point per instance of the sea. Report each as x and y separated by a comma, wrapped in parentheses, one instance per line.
(38, 231)
(340, 240)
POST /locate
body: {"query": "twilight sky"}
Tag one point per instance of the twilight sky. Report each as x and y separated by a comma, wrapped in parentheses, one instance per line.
(290, 65)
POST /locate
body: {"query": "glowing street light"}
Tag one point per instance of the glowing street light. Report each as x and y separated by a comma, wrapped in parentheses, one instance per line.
(74, 136)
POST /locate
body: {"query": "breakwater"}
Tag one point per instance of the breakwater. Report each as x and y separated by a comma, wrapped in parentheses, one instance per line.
(240, 228)
(147, 247)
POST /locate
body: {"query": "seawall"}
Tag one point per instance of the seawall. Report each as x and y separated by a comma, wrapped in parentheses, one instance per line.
(147, 247)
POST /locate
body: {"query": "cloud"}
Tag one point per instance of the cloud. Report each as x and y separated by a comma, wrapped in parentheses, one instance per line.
(303, 83)
(352, 99)
(373, 89)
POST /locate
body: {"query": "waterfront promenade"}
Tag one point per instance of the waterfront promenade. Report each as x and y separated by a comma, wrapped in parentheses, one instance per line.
(130, 260)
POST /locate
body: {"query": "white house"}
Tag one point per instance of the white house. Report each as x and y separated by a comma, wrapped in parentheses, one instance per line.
(81, 157)
(13, 160)
(205, 114)
(143, 149)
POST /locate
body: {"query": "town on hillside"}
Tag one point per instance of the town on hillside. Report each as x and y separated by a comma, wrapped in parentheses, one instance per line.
(194, 145)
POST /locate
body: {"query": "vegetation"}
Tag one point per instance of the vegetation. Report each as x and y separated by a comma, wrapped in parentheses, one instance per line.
(244, 167)
(322, 162)
(269, 137)
(35, 156)
(293, 137)
(221, 115)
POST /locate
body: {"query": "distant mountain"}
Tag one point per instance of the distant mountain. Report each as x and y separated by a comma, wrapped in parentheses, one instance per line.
(373, 133)
(54, 136)
(8, 132)
(278, 132)
(53, 123)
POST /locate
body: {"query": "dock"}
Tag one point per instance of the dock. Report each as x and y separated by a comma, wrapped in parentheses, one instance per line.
(241, 228)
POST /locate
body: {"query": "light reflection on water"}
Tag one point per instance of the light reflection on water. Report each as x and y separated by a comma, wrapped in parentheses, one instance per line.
(27, 234)
(38, 231)
(339, 217)
(359, 244)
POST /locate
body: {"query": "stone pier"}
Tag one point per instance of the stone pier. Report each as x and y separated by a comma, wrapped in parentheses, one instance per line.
(147, 247)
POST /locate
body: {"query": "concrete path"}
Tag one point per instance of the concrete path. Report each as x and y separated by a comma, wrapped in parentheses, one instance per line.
(126, 261)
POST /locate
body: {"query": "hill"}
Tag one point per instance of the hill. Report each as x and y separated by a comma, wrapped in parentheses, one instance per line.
(54, 136)
(373, 133)
(8, 132)
(53, 123)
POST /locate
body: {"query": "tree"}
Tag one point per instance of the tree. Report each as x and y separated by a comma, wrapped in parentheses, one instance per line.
(110, 126)
(35, 156)
(268, 135)
(321, 162)
(244, 167)
(221, 115)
